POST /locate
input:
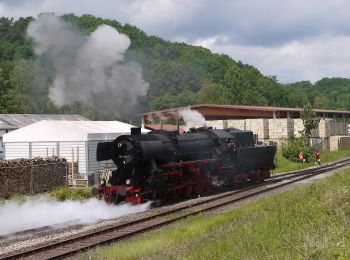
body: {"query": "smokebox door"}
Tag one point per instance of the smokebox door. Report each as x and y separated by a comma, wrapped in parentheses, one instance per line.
(104, 151)
(135, 130)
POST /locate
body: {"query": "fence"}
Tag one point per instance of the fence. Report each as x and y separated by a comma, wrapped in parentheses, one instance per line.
(31, 176)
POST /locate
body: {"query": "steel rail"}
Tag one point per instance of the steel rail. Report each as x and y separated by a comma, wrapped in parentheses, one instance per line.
(120, 231)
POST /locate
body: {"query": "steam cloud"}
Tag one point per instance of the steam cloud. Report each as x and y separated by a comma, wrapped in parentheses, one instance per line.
(16, 216)
(88, 68)
(192, 116)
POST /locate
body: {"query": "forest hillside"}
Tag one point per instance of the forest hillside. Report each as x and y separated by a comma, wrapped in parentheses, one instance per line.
(177, 74)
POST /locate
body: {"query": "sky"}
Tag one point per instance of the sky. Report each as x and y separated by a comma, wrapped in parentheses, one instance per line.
(294, 40)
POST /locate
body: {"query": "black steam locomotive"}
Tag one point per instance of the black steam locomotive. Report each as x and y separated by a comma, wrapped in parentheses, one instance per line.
(164, 165)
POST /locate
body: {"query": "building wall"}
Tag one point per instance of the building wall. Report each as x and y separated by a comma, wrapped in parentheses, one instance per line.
(239, 124)
(283, 128)
(339, 143)
(258, 126)
(66, 149)
(298, 126)
(43, 149)
(15, 150)
(219, 124)
(321, 143)
(280, 129)
(330, 127)
(93, 165)
(87, 152)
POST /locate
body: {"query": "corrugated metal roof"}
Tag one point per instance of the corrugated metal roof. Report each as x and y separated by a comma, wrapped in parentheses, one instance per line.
(15, 121)
(49, 130)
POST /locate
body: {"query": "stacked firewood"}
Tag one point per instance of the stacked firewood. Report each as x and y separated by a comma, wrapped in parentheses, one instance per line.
(30, 176)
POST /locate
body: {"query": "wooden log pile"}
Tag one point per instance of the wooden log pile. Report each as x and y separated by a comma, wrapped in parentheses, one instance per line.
(30, 176)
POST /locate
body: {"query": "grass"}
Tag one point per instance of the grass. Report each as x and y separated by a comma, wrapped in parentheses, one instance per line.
(18, 197)
(60, 194)
(311, 221)
(63, 194)
(284, 165)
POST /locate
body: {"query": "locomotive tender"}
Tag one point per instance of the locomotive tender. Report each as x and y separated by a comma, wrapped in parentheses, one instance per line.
(163, 165)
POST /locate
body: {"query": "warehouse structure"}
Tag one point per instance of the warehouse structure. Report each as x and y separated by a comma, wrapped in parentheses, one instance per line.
(73, 140)
(271, 124)
(11, 122)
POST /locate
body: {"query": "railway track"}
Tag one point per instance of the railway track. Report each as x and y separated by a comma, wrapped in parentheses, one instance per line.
(161, 217)
(41, 229)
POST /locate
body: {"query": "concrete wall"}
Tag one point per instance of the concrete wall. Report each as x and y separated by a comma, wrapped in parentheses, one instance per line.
(280, 128)
(219, 124)
(283, 128)
(298, 126)
(330, 127)
(258, 126)
(321, 144)
(339, 143)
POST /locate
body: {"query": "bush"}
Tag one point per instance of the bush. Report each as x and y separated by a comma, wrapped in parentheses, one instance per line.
(63, 194)
(292, 148)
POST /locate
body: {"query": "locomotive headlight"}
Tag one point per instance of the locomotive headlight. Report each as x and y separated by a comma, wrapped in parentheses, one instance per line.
(127, 182)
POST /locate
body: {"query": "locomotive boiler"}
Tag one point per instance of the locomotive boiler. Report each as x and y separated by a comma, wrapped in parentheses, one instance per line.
(163, 165)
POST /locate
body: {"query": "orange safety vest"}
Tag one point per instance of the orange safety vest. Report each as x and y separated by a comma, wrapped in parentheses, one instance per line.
(317, 155)
(301, 156)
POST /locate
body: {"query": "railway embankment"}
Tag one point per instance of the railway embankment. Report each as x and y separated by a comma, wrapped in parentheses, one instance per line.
(309, 221)
(284, 165)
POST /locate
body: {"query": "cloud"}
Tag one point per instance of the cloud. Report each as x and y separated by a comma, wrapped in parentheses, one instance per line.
(250, 30)
(248, 22)
(309, 59)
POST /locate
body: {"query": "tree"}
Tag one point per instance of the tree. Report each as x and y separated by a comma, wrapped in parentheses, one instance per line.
(30, 81)
(211, 93)
(3, 91)
(236, 85)
(310, 121)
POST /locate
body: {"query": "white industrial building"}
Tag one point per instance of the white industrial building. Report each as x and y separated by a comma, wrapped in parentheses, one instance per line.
(65, 139)
(12, 122)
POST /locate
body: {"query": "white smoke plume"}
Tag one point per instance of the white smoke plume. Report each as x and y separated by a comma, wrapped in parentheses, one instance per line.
(39, 212)
(88, 68)
(192, 116)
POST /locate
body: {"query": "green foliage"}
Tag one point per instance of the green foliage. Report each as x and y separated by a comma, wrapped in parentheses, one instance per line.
(327, 93)
(285, 165)
(184, 98)
(179, 75)
(310, 120)
(292, 147)
(18, 198)
(211, 93)
(63, 194)
(309, 222)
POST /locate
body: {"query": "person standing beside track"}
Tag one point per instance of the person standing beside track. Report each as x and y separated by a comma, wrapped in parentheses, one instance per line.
(301, 157)
(317, 157)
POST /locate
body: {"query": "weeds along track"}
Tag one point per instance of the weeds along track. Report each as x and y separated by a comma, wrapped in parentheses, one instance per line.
(162, 216)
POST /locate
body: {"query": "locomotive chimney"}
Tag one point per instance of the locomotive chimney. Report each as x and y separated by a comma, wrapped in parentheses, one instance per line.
(135, 130)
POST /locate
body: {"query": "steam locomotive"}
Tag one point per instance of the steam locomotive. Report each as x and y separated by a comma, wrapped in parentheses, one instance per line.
(163, 165)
